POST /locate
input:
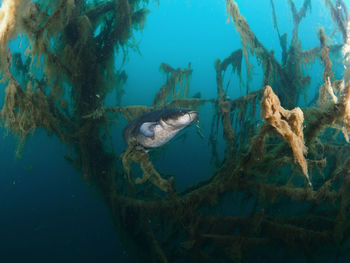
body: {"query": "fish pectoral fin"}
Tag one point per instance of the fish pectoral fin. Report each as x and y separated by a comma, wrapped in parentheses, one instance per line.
(147, 129)
(141, 148)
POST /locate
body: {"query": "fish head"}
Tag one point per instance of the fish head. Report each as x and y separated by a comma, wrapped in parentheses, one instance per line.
(180, 118)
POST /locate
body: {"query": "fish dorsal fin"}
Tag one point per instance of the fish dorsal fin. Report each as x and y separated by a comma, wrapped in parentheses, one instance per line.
(147, 128)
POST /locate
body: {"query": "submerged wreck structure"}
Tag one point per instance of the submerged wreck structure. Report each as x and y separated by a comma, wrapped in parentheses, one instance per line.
(291, 172)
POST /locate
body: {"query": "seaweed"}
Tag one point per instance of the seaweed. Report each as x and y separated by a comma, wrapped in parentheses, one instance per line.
(74, 46)
(177, 82)
(287, 123)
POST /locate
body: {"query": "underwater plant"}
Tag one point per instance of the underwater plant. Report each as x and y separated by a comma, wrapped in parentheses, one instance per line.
(60, 83)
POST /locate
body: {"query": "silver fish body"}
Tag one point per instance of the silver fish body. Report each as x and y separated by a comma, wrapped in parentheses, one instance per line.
(157, 127)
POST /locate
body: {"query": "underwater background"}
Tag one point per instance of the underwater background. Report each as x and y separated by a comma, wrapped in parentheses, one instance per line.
(50, 211)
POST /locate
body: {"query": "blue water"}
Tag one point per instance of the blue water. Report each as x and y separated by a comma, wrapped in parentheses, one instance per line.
(48, 213)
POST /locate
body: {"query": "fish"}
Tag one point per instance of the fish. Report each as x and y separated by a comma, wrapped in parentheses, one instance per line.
(197, 95)
(157, 127)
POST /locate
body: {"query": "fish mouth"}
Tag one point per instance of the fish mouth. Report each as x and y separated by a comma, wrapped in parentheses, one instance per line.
(194, 116)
